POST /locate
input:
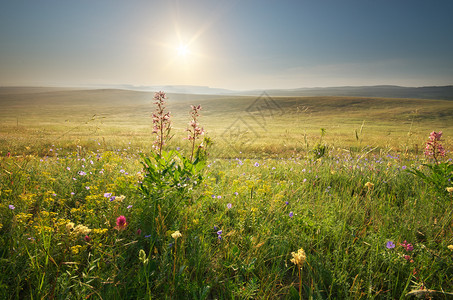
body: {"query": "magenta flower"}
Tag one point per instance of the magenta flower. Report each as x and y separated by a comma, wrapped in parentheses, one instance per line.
(121, 223)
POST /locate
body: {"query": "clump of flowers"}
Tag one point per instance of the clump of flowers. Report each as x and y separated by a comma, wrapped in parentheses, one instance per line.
(161, 122)
(81, 230)
(299, 257)
(434, 148)
(176, 234)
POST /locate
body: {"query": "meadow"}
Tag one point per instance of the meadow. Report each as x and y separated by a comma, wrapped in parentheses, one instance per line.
(88, 210)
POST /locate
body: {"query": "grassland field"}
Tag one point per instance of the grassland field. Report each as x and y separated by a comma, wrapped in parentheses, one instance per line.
(81, 218)
(267, 126)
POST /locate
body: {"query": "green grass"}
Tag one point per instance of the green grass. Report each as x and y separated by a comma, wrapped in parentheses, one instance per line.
(264, 190)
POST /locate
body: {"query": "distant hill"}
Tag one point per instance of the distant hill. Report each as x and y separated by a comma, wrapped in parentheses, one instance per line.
(384, 91)
(185, 91)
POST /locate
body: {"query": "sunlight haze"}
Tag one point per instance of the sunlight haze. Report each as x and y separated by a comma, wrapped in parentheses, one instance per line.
(235, 45)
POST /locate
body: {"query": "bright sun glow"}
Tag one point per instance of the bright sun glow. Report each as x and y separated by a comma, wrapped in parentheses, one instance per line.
(183, 50)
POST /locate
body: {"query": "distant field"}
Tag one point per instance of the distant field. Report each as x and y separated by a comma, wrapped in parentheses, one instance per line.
(32, 119)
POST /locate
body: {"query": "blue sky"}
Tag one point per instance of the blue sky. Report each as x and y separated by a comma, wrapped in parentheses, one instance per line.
(236, 44)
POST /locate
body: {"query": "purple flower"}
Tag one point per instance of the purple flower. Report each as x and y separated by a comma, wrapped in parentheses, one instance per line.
(12, 207)
(87, 187)
(257, 164)
(72, 193)
(219, 232)
(390, 245)
(81, 173)
(291, 214)
(236, 193)
(107, 195)
(129, 206)
(286, 202)
(229, 205)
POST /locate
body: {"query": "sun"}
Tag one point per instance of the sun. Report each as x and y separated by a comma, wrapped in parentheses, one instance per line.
(183, 50)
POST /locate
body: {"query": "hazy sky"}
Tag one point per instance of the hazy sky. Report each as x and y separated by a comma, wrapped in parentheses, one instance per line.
(242, 44)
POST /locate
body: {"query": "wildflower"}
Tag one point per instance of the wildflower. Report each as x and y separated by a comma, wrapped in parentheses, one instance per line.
(147, 236)
(257, 164)
(229, 205)
(291, 214)
(299, 258)
(369, 185)
(69, 226)
(407, 246)
(75, 249)
(87, 238)
(12, 207)
(219, 234)
(142, 256)
(161, 122)
(129, 206)
(120, 198)
(176, 234)
(408, 258)
(286, 202)
(80, 229)
(390, 245)
(449, 189)
(107, 195)
(433, 146)
(450, 247)
(194, 131)
(139, 231)
(121, 223)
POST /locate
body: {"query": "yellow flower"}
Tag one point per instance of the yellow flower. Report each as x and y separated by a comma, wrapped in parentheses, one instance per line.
(299, 257)
(450, 189)
(176, 234)
(450, 247)
(369, 185)
(75, 249)
(81, 229)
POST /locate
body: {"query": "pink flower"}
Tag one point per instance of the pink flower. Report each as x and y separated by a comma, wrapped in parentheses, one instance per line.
(407, 246)
(87, 238)
(433, 146)
(121, 223)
